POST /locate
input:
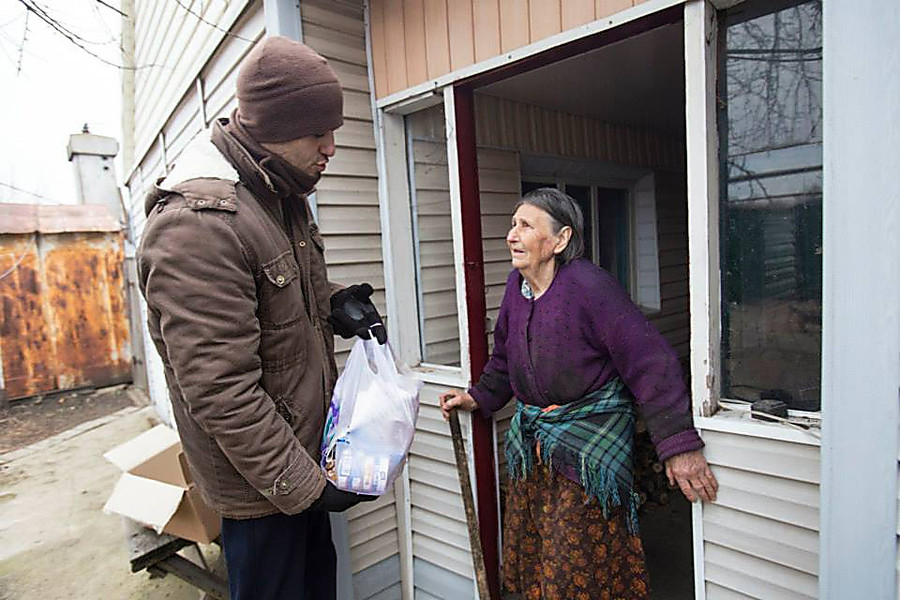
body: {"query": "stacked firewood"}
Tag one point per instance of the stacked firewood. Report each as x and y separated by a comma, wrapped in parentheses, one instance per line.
(650, 479)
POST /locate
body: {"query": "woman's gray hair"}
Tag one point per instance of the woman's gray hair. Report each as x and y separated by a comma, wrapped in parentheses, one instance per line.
(564, 212)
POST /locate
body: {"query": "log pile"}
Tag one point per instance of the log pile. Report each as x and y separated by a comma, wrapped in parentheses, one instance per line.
(650, 481)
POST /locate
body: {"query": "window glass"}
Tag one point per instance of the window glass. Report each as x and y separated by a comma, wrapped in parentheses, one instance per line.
(433, 236)
(582, 195)
(770, 127)
(612, 225)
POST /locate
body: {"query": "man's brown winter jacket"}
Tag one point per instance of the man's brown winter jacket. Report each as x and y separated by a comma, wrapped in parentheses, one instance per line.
(233, 271)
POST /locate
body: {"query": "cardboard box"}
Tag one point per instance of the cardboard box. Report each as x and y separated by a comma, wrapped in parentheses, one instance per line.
(156, 488)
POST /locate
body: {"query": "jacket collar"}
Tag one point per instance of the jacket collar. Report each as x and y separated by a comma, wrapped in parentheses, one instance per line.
(261, 171)
(200, 160)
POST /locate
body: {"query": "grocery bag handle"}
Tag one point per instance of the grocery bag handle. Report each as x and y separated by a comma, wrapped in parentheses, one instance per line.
(382, 357)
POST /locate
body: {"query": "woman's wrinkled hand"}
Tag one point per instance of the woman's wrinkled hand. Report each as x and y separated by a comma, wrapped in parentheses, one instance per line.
(457, 399)
(692, 474)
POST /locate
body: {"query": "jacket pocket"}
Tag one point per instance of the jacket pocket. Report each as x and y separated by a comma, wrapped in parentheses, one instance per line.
(280, 294)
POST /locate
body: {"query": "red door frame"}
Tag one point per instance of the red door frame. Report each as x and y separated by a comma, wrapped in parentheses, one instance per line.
(473, 259)
(473, 256)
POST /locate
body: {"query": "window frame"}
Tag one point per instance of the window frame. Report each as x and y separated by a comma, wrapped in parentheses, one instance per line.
(629, 183)
(401, 249)
(800, 417)
(703, 38)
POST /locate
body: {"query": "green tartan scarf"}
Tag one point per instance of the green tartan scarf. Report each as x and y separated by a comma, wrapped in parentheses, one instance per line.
(594, 436)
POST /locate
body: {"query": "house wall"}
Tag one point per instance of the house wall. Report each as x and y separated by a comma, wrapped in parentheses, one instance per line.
(499, 184)
(414, 41)
(348, 215)
(198, 88)
(531, 129)
(761, 539)
(440, 542)
(761, 536)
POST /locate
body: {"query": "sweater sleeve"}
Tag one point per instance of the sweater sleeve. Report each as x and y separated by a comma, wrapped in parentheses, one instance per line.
(493, 389)
(649, 367)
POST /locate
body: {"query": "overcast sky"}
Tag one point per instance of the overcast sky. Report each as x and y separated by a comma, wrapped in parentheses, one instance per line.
(49, 89)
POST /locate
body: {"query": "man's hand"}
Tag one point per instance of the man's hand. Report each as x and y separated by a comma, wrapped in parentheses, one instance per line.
(457, 399)
(693, 476)
(353, 314)
(335, 500)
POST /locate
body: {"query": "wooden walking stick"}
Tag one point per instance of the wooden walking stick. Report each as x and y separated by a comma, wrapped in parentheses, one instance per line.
(462, 469)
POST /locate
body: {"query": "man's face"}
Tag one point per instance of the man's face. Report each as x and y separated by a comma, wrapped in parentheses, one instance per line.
(310, 153)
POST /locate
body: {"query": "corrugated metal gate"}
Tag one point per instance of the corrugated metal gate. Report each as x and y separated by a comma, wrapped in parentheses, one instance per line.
(64, 314)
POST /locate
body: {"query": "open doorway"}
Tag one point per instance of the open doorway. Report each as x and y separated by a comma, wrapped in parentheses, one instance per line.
(607, 127)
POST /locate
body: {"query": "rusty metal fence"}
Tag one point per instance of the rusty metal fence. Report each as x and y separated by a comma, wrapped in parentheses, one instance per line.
(64, 319)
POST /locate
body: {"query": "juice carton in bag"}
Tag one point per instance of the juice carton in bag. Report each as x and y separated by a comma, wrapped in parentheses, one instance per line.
(371, 421)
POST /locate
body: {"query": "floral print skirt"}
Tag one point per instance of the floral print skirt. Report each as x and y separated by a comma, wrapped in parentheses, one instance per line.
(557, 545)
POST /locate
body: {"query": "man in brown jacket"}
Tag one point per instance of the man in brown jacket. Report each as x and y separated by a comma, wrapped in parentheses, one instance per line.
(241, 311)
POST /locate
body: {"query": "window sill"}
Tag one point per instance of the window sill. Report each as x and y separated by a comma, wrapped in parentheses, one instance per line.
(735, 418)
(440, 375)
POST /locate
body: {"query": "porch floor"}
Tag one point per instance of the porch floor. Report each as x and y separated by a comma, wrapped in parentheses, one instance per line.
(666, 532)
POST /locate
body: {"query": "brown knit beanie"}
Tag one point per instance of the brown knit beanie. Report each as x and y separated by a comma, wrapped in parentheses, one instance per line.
(286, 91)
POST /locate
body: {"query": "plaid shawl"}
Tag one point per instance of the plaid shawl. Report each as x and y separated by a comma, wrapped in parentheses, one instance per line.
(594, 436)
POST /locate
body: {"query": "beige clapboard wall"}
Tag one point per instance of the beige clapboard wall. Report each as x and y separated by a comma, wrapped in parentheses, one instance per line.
(414, 41)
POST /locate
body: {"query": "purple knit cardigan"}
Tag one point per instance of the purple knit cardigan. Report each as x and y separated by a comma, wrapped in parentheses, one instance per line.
(580, 333)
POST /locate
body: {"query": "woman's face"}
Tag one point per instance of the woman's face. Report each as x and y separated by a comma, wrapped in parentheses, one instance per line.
(531, 240)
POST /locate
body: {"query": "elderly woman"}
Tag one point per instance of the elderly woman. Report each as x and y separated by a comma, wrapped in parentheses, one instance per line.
(578, 356)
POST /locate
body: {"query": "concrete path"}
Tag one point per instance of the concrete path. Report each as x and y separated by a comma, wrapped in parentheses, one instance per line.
(55, 541)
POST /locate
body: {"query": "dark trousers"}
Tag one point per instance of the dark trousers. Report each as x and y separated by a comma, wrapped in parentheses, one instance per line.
(280, 557)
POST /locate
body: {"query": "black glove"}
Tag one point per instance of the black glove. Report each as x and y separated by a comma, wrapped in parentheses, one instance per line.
(335, 500)
(352, 313)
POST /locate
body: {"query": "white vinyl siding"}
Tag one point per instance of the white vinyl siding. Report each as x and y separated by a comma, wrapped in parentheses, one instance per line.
(171, 47)
(347, 212)
(172, 131)
(760, 538)
(439, 532)
(438, 319)
(347, 196)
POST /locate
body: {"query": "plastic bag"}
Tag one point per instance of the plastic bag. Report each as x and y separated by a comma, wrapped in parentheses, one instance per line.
(371, 421)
